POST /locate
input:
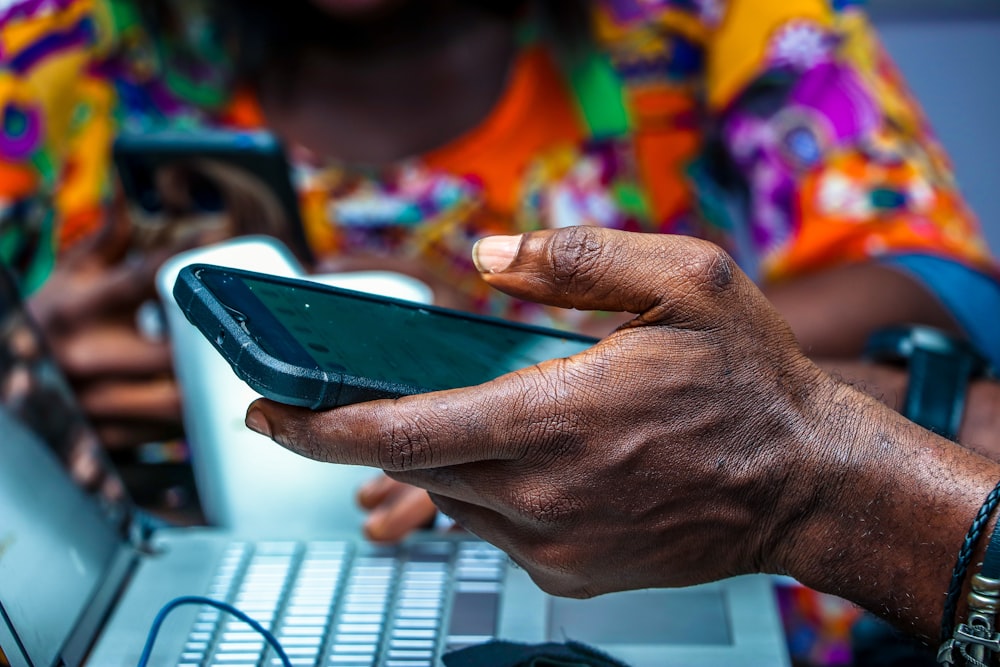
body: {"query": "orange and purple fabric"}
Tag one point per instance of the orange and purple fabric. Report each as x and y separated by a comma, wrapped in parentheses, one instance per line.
(779, 129)
(833, 161)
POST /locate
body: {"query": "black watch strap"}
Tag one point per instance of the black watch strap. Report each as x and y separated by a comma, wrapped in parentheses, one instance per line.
(940, 367)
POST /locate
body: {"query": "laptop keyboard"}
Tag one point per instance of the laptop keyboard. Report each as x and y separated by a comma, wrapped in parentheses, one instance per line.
(345, 604)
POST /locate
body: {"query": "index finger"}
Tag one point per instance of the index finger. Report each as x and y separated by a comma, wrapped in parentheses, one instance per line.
(414, 432)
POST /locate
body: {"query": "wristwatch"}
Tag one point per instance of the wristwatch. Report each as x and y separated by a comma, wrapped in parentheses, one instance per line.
(940, 366)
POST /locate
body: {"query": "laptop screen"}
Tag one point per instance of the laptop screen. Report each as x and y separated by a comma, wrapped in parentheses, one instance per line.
(57, 538)
(33, 389)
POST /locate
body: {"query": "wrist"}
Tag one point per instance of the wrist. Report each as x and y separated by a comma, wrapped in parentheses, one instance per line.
(889, 508)
(828, 473)
(822, 456)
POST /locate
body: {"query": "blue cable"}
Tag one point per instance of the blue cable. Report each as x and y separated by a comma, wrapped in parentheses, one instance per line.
(161, 616)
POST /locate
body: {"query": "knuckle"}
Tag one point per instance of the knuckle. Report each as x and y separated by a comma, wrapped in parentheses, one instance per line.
(578, 254)
(73, 359)
(710, 267)
(550, 507)
(405, 445)
(554, 432)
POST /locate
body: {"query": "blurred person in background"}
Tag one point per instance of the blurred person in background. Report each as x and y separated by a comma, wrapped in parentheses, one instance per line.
(779, 130)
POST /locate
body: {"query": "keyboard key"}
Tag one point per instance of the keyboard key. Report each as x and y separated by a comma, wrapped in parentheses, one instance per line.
(426, 623)
(303, 631)
(309, 610)
(300, 640)
(355, 608)
(420, 603)
(312, 651)
(351, 661)
(478, 586)
(241, 647)
(399, 654)
(419, 613)
(421, 644)
(305, 620)
(406, 633)
(348, 638)
(355, 649)
(365, 598)
(362, 618)
(231, 658)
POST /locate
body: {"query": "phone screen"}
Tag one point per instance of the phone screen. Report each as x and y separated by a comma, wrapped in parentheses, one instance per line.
(388, 341)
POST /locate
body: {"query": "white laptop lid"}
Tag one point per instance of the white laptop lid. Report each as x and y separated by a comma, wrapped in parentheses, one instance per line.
(244, 480)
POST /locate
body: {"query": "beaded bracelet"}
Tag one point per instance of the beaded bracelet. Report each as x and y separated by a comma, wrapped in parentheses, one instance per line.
(976, 636)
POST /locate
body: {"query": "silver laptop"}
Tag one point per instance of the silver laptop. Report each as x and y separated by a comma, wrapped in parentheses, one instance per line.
(83, 573)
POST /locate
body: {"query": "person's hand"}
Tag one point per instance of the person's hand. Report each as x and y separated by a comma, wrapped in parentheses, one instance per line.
(694, 443)
(394, 509)
(680, 449)
(87, 309)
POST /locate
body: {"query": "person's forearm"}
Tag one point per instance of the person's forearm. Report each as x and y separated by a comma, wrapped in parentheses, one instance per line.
(886, 529)
(980, 428)
(833, 312)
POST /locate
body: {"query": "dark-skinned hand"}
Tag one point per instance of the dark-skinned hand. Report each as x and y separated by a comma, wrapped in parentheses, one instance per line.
(625, 466)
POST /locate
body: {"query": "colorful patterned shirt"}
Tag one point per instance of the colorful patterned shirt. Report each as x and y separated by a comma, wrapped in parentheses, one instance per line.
(776, 128)
(779, 130)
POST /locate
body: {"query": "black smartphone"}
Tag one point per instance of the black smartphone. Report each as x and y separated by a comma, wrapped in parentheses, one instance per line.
(180, 175)
(316, 346)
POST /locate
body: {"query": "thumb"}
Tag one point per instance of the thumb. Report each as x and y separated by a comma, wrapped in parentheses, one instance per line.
(671, 279)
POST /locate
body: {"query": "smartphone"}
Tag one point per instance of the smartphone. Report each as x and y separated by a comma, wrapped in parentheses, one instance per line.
(317, 346)
(175, 175)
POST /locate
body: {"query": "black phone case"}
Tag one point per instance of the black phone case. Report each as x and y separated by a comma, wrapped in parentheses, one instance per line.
(270, 377)
(284, 382)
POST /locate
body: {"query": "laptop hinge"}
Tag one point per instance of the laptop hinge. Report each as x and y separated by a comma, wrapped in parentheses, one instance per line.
(142, 529)
(9, 638)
